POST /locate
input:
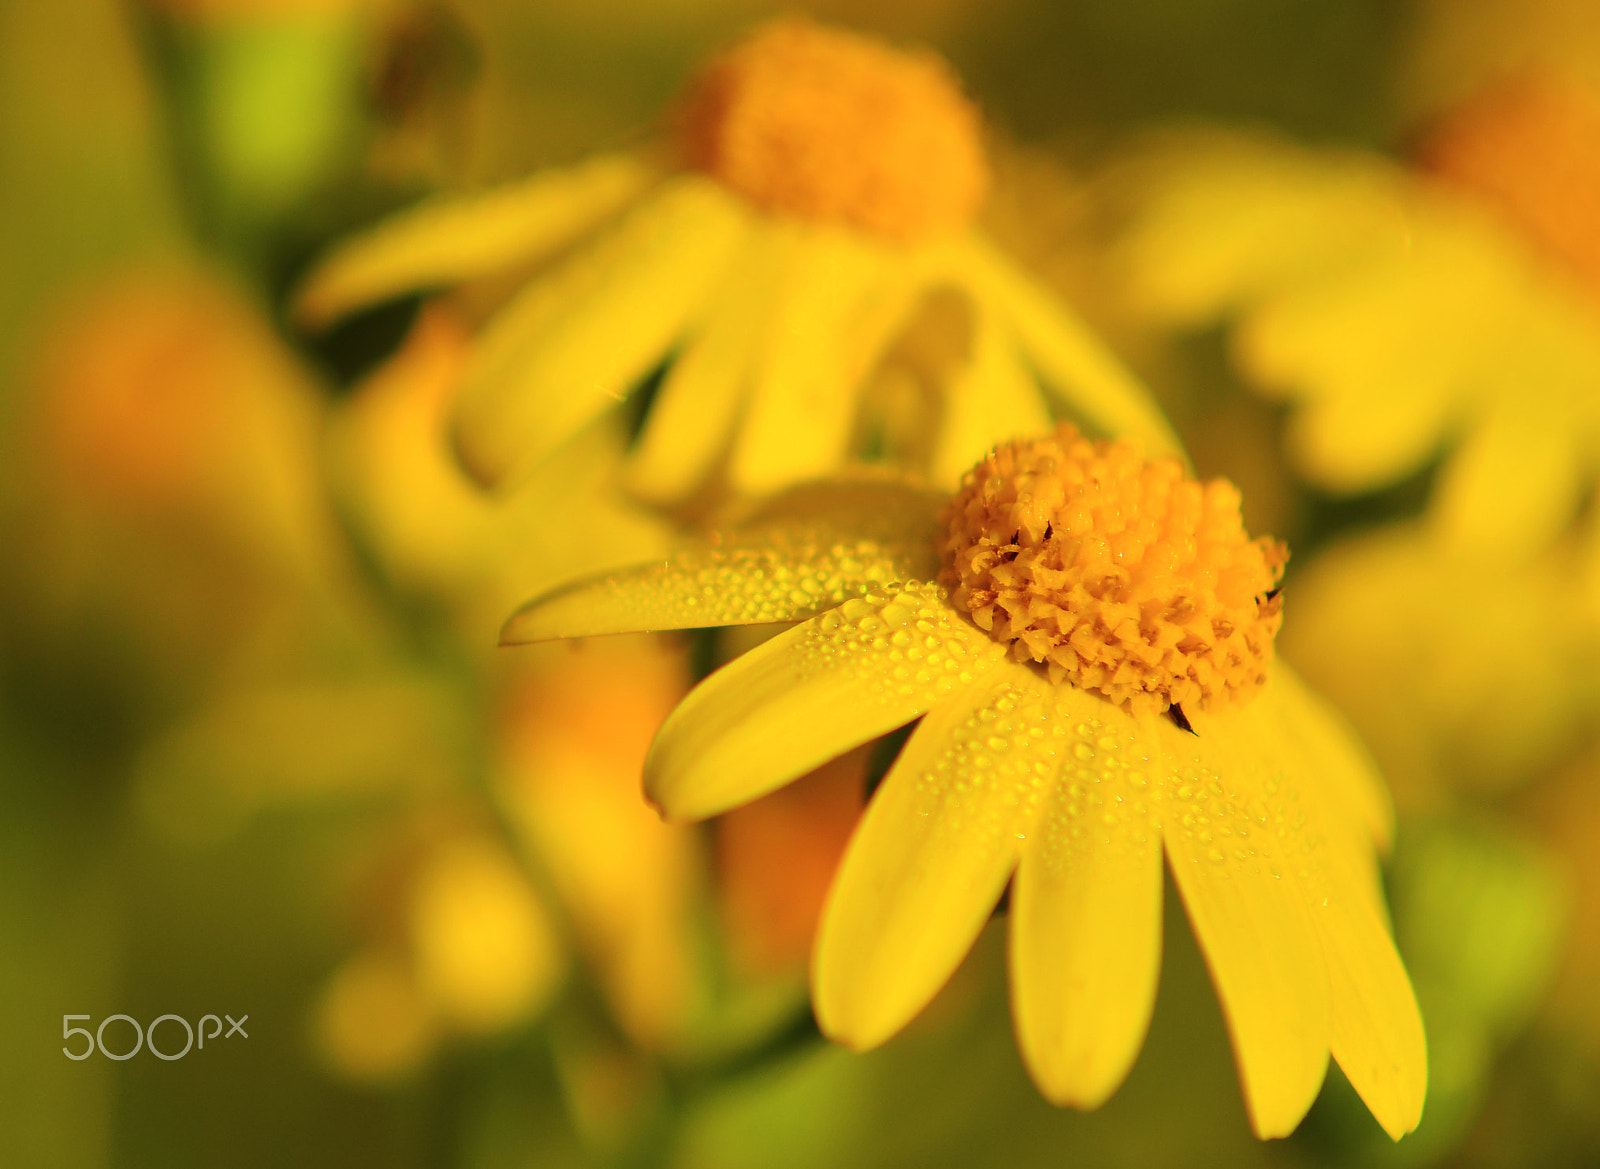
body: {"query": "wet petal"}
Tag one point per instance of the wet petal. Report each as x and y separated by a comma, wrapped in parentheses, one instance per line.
(932, 854)
(1086, 913)
(1375, 1027)
(448, 240)
(802, 552)
(1377, 1032)
(811, 693)
(1240, 832)
(577, 341)
(1331, 753)
(1073, 362)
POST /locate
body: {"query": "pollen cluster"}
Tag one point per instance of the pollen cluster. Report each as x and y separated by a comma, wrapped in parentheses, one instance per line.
(834, 127)
(1120, 574)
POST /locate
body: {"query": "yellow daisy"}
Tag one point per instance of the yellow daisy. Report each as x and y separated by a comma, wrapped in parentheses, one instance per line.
(1404, 311)
(815, 206)
(1086, 637)
(1379, 628)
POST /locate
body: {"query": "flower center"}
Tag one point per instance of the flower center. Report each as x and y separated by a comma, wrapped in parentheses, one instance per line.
(1532, 150)
(835, 127)
(1119, 573)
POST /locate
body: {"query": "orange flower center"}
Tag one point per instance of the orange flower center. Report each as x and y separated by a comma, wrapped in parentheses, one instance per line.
(1118, 573)
(835, 127)
(1531, 149)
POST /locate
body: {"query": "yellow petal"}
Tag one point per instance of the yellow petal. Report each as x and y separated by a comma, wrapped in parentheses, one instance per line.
(994, 399)
(1238, 829)
(1515, 482)
(1377, 1030)
(1375, 1027)
(578, 340)
(1229, 219)
(448, 240)
(821, 337)
(1075, 364)
(1383, 355)
(693, 418)
(1086, 914)
(932, 855)
(801, 553)
(1332, 753)
(811, 693)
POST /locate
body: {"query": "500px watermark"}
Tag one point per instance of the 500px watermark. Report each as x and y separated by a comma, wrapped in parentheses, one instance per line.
(144, 1037)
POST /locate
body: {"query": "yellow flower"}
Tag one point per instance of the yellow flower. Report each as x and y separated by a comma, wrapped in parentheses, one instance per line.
(479, 954)
(570, 742)
(428, 527)
(1264, 804)
(1398, 312)
(816, 208)
(1381, 626)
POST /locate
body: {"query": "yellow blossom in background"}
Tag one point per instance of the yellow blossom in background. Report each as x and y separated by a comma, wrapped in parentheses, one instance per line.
(372, 1022)
(1381, 625)
(571, 739)
(1264, 804)
(1396, 312)
(813, 206)
(485, 949)
(161, 394)
(169, 498)
(429, 528)
(476, 953)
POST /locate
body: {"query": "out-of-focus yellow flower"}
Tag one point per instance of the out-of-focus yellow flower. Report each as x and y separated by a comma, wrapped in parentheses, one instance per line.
(486, 953)
(572, 739)
(372, 1022)
(476, 952)
(160, 393)
(1397, 314)
(429, 527)
(817, 203)
(914, 605)
(169, 494)
(1445, 661)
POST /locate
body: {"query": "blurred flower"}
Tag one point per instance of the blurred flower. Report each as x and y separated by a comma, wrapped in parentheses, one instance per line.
(172, 503)
(572, 739)
(1137, 588)
(372, 1022)
(485, 949)
(429, 529)
(1380, 627)
(1395, 312)
(477, 954)
(161, 393)
(818, 204)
